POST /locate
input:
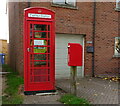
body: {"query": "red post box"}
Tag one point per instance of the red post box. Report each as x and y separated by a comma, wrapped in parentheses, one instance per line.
(39, 50)
(74, 54)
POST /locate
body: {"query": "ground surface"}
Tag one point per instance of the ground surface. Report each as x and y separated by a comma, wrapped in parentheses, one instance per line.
(95, 90)
(2, 86)
(0, 89)
(43, 99)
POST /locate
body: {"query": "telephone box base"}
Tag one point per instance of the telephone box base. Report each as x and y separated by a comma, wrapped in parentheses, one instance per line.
(35, 92)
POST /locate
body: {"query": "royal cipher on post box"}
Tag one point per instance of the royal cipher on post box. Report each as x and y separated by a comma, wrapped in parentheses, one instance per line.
(39, 50)
(74, 54)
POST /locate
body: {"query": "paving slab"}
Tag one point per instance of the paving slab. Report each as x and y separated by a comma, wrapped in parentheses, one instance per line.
(43, 98)
(95, 90)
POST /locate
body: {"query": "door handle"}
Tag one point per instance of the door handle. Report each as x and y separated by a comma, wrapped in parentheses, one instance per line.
(28, 49)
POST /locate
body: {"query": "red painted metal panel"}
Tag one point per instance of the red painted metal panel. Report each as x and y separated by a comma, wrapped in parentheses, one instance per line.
(39, 50)
(74, 54)
(39, 10)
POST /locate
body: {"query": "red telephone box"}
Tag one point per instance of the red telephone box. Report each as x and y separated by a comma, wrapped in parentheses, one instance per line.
(39, 50)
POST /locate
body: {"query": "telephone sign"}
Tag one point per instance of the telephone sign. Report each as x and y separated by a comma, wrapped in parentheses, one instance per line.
(39, 15)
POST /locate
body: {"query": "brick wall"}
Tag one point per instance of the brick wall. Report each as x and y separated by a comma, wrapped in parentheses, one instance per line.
(73, 21)
(16, 36)
(106, 31)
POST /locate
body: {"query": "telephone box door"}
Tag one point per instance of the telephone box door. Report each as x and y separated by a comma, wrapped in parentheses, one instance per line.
(39, 56)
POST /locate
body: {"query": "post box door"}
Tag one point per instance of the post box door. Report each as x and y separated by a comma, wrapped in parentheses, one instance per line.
(74, 54)
(40, 56)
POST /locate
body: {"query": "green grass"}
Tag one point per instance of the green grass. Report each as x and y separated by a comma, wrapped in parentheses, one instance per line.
(71, 99)
(13, 82)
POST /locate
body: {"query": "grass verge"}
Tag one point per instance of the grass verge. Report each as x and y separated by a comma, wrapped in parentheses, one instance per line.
(13, 82)
(71, 99)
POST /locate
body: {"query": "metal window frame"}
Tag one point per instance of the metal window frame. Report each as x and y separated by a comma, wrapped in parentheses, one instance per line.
(65, 3)
(115, 51)
(117, 5)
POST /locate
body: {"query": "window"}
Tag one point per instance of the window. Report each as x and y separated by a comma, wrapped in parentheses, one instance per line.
(118, 5)
(117, 47)
(65, 2)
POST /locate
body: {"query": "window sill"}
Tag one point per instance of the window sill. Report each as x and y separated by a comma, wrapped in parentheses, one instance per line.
(116, 56)
(117, 9)
(64, 6)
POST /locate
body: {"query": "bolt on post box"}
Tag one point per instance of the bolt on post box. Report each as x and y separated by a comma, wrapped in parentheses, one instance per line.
(74, 54)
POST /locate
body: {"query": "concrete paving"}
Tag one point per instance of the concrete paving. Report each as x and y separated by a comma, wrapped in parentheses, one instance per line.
(42, 99)
(95, 90)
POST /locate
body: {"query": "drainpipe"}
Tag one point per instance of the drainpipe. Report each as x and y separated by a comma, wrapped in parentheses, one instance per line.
(93, 38)
(29, 3)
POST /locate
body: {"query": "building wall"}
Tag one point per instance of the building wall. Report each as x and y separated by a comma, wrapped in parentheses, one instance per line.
(15, 37)
(67, 23)
(72, 21)
(106, 31)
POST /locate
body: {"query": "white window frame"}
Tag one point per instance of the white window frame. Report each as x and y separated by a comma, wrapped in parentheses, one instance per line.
(65, 2)
(116, 53)
(117, 4)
